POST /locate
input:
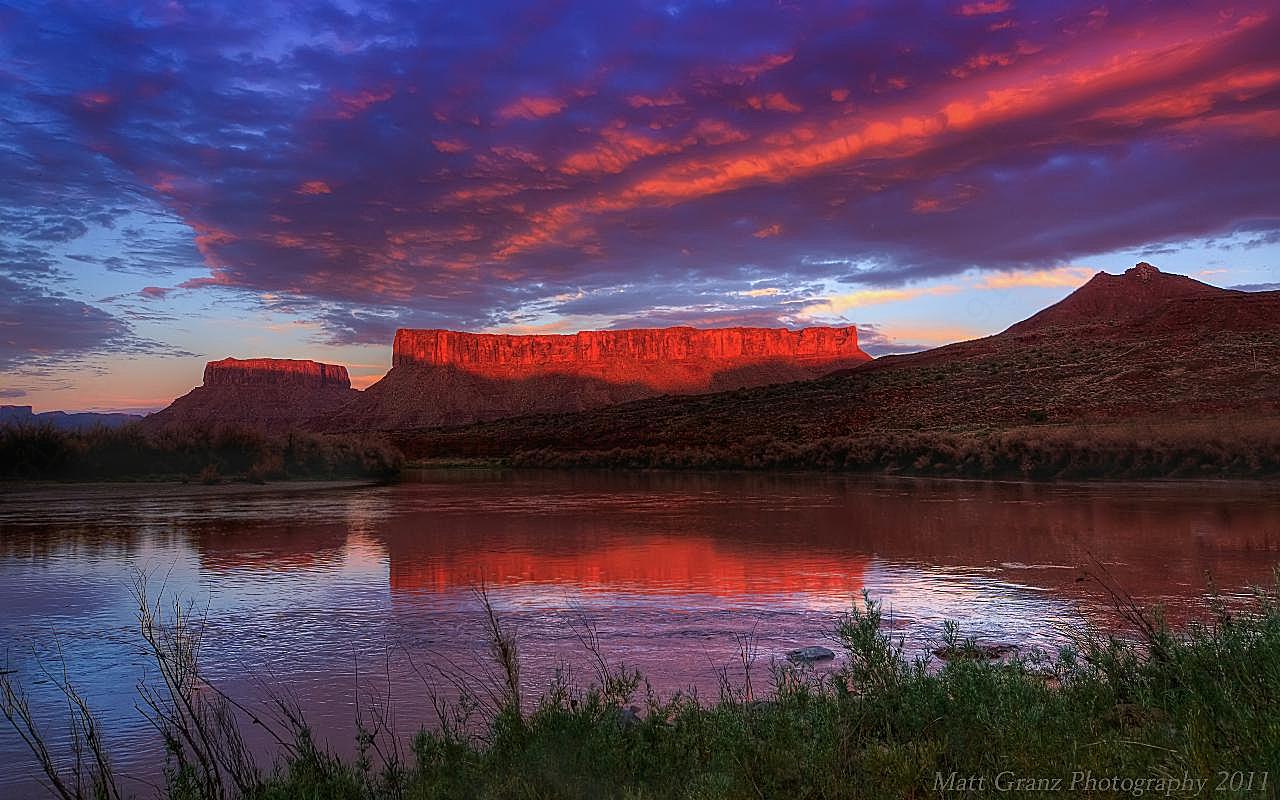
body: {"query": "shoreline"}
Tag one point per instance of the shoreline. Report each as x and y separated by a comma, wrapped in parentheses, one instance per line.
(863, 720)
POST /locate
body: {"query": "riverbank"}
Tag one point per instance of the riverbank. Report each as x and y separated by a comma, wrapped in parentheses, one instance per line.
(623, 437)
(1169, 714)
(1222, 448)
(208, 455)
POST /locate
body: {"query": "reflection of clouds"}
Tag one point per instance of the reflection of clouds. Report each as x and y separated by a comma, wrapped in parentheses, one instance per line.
(363, 555)
(987, 606)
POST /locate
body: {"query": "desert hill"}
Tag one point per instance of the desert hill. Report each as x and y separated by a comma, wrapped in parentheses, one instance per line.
(441, 378)
(1110, 300)
(267, 393)
(1144, 349)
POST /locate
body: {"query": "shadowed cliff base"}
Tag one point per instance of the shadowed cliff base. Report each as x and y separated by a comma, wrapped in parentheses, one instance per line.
(1135, 378)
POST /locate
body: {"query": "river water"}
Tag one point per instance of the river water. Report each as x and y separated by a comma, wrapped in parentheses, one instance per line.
(333, 592)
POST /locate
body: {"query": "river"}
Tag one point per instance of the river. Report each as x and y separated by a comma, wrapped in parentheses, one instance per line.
(336, 591)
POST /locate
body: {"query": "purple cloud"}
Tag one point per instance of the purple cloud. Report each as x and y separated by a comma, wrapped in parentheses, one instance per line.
(391, 164)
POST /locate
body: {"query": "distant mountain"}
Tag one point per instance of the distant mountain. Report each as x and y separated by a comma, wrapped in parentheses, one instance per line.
(1108, 300)
(443, 377)
(64, 420)
(1142, 346)
(266, 393)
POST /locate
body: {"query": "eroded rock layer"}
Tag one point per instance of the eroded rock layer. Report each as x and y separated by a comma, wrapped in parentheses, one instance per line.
(274, 372)
(444, 377)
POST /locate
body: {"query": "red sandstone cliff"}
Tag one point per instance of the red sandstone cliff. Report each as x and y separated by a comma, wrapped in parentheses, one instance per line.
(443, 377)
(267, 393)
(274, 372)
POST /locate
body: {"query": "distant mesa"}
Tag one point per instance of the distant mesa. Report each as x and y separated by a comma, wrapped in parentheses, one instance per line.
(442, 378)
(267, 393)
(274, 372)
(64, 420)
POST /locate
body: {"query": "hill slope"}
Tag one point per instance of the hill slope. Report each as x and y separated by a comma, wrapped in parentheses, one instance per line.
(1111, 300)
(1150, 351)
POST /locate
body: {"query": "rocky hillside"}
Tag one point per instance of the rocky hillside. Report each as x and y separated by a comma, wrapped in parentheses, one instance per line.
(1143, 349)
(266, 393)
(442, 378)
(1118, 300)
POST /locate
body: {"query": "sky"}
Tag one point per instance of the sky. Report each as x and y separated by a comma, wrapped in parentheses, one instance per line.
(181, 181)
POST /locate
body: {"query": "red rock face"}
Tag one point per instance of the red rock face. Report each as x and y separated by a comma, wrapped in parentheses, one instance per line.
(274, 372)
(443, 377)
(635, 355)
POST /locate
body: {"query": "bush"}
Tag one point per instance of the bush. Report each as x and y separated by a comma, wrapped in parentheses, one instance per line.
(205, 454)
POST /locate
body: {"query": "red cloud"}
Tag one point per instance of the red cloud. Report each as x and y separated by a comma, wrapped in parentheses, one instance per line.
(982, 7)
(314, 188)
(96, 100)
(664, 100)
(350, 105)
(1088, 75)
(531, 108)
(984, 61)
(774, 101)
(935, 204)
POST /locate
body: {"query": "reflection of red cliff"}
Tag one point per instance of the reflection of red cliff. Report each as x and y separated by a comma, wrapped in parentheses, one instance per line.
(443, 377)
(654, 565)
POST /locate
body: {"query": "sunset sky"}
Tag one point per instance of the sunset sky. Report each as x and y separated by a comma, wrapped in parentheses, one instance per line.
(187, 181)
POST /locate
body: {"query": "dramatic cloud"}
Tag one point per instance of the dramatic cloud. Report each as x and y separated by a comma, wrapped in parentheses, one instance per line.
(378, 164)
(34, 326)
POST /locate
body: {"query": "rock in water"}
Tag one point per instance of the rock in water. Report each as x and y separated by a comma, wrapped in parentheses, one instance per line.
(810, 654)
(441, 378)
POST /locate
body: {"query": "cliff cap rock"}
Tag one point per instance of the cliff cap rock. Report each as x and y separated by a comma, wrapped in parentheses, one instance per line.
(274, 371)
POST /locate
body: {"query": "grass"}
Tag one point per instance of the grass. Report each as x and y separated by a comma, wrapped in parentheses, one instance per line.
(205, 454)
(1202, 703)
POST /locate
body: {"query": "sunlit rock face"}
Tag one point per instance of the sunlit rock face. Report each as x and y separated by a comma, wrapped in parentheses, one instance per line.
(655, 356)
(274, 372)
(444, 377)
(266, 393)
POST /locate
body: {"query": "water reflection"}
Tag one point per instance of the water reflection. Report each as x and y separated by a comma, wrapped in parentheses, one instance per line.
(304, 582)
